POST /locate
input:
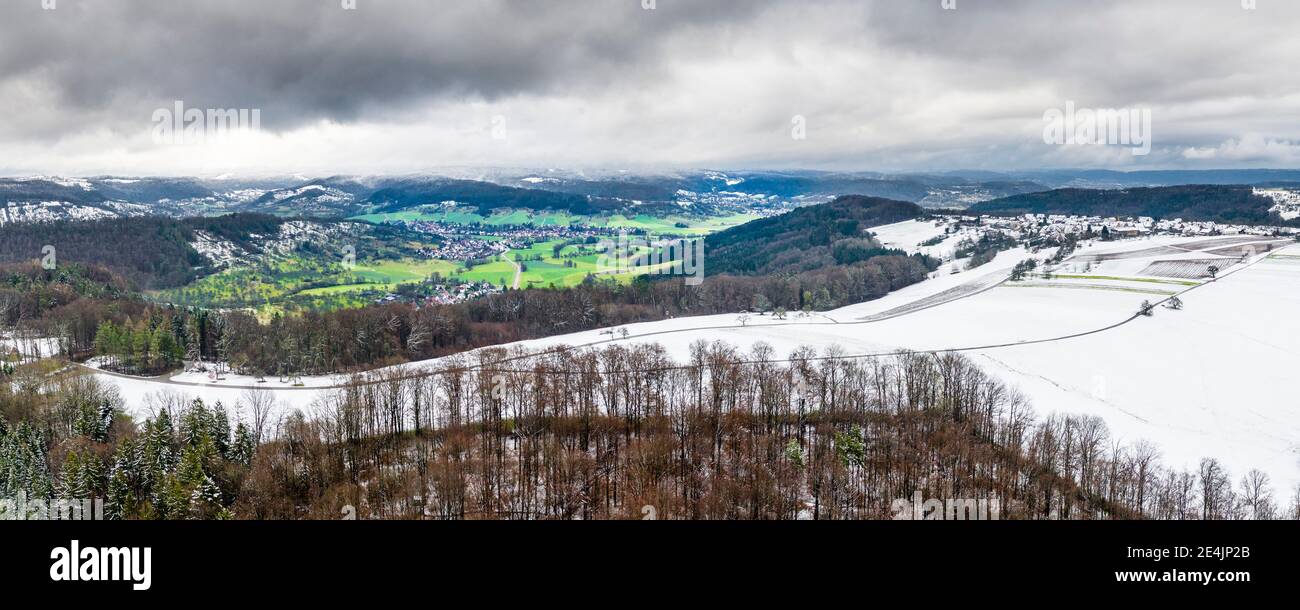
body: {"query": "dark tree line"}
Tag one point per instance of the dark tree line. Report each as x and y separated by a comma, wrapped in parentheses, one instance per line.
(485, 196)
(362, 338)
(1232, 204)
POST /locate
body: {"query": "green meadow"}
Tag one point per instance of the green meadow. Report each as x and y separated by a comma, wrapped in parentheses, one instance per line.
(298, 282)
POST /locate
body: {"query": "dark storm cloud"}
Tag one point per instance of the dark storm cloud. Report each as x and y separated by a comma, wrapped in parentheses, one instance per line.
(883, 84)
(302, 60)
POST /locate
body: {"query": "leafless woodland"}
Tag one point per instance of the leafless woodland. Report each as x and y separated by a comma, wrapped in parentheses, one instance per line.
(627, 433)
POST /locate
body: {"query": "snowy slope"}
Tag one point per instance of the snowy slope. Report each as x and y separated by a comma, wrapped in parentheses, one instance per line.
(1211, 380)
(910, 234)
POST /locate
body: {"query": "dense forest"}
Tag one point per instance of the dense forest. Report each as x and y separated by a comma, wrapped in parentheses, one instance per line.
(66, 438)
(151, 251)
(485, 196)
(1215, 203)
(618, 433)
(28, 291)
(807, 238)
(154, 252)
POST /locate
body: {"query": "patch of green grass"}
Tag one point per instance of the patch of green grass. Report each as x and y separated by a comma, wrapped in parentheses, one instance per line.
(686, 226)
(402, 271)
(543, 269)
(345, 288)
(498, 272)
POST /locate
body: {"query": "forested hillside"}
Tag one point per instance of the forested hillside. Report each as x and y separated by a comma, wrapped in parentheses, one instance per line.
(152, 252)
(28, 291)
(36, 190)
(1224, 204)
(807, 238)
(483, 195)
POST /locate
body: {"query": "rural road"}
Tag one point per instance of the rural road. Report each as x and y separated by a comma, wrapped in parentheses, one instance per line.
(519, 274)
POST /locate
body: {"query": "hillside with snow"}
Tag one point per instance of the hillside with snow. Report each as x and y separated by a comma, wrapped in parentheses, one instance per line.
(1209, 380)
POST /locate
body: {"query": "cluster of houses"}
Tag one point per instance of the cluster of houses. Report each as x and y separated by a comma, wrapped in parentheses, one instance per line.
(448, 293)
(749, 203)
(467, 249)
(1030, 226)
(465, 242)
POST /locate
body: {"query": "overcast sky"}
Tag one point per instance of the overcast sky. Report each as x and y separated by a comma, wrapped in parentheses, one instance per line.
(399, 86)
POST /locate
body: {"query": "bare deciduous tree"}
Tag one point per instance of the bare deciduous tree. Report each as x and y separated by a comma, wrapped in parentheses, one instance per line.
(259, 403)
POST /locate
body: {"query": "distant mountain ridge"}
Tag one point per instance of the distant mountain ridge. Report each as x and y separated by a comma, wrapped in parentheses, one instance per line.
(697, 192)
(1110, 179)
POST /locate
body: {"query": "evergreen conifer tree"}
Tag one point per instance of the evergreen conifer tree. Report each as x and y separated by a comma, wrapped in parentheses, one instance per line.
(71, 478)
(220, 430)
(242, 450)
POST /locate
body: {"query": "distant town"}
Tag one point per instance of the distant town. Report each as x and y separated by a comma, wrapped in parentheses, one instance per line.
(1056, 226)
(472, 242)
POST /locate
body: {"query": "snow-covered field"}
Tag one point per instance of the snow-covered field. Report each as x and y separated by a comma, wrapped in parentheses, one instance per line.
(141, 397)
(1209, 380)
(909, 235)
(1212, 380)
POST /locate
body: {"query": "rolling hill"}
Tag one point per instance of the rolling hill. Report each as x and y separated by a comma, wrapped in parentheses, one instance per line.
(1215, 203)
(157, 252)
(807, 238)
